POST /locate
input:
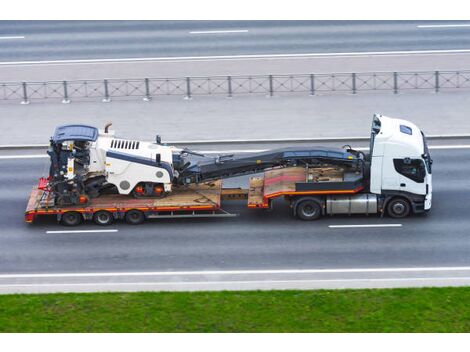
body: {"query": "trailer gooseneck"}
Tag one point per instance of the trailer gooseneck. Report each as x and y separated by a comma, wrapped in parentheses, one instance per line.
(95, 176)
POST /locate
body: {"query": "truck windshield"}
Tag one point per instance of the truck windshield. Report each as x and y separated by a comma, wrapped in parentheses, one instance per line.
(426, 155)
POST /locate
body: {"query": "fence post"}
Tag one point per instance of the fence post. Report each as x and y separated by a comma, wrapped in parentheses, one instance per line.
(106, 98)
(436, 75)
(271, 89)
(66, 99)
(25, 100)
(229, 85)
(312, 84)
(353, 83)
(147, 91)
(395, 82)
(188, 88)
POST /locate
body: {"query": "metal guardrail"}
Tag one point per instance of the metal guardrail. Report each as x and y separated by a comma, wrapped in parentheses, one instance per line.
(270, 85)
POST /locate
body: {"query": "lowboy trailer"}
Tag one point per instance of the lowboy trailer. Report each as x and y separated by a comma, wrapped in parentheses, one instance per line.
(393, 179)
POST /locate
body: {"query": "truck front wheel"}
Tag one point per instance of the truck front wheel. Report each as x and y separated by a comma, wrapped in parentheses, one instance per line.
(398, 208)
(71, 218)
(308, 210)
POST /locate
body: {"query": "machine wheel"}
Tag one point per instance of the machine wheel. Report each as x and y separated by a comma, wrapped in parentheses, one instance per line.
(103, 218)
(135, 217)
(308, 210)
(71, 218)
(398, 208)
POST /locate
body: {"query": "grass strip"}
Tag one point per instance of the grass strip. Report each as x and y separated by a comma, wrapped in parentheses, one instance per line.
(378, 310)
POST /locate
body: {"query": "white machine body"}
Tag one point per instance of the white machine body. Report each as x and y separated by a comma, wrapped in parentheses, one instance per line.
(125, 163)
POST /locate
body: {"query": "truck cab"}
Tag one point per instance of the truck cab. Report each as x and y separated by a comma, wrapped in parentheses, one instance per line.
(400, 165)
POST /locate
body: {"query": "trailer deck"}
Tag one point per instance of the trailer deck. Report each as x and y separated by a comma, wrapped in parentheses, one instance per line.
(296, 181)
(204, 199)
(201, 197)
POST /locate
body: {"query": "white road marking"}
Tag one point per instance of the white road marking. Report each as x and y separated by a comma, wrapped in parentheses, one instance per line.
(81, 231)
(228, 151)
(241, 282)
(257, 141)
(13, 37)
(464, 146)
(365, 225)
(220, 31)
(26, 156)
(240, 57)
(237, 272)
(443, 25)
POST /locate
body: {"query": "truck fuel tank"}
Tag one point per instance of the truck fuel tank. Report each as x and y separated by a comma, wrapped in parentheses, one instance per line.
(364, 203)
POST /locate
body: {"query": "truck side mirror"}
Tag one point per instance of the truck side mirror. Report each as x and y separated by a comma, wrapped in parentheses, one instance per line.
(158, 139)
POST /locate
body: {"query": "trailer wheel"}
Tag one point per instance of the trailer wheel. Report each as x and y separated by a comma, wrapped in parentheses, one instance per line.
(103, 218)
(398, 208)
(308, 210)
(71, 218)
(135, 217)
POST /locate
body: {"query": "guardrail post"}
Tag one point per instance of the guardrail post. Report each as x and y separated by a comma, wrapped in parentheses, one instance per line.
(353, 83)
(25, 100)
(188, 88)
(66, 99)
(229, 86)
(147, 91)
(271, 89)
(395, 82)
(106, 98)
(312, 84)
(436, 85)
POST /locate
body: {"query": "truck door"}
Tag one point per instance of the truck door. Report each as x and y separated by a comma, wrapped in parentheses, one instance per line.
(412, 175)
(390, 178)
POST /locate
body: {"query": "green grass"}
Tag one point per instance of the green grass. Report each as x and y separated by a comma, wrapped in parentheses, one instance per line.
(385, 310)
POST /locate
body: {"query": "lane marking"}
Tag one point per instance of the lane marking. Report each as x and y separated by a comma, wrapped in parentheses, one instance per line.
(258, 141)
(236, 272)
(82, 231)
(26, 156)
(220, 31)
(240, 57)
(443, 25)
(13, 37)
(366, 225)
(242, 282)
(437, 147)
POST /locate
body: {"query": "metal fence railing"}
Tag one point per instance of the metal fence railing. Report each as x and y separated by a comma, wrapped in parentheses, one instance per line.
(148, 88)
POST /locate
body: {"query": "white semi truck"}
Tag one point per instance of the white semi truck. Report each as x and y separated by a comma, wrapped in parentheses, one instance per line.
(96, 176)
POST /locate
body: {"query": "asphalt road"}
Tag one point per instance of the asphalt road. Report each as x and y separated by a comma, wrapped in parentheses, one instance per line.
(60, 40)
(177, 254)
(114, 49)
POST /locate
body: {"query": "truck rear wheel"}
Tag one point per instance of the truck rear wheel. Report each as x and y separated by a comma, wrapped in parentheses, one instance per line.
(398, 208)
(308, 210)
(71, 218)
(103, 218)
(135, 217)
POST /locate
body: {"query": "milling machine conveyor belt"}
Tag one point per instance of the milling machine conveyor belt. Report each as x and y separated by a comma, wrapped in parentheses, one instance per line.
(230, 166)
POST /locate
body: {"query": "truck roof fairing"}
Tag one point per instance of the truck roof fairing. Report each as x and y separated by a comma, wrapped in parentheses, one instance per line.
(399, 133)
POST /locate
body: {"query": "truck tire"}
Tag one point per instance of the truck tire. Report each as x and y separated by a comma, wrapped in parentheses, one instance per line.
(103, 218)
(308, 210)
(71, 218)
(398, 208)
(135, 217)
